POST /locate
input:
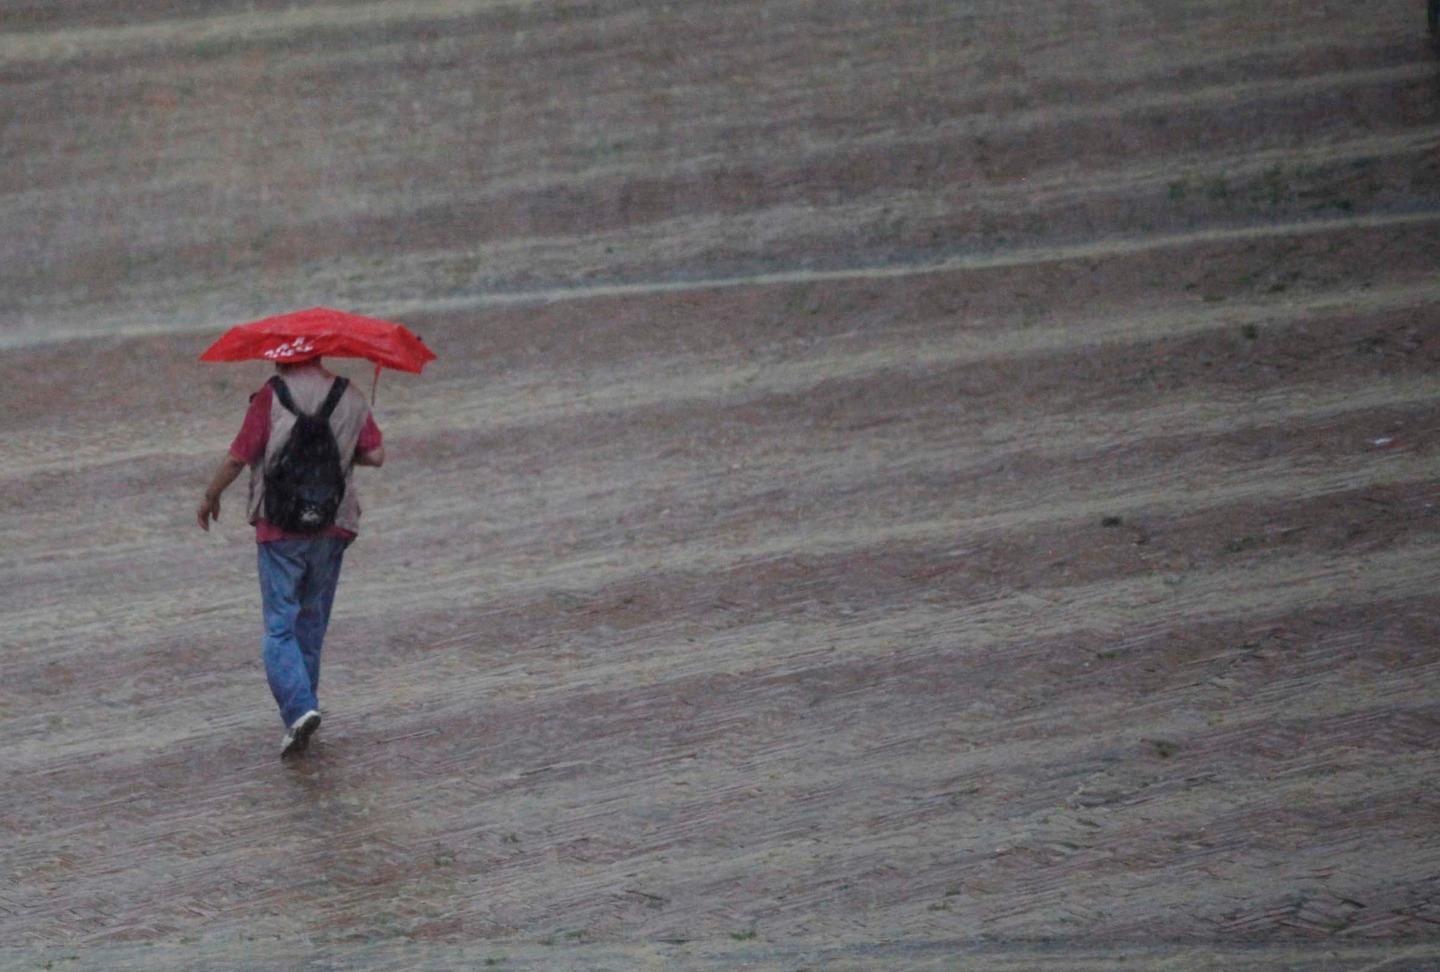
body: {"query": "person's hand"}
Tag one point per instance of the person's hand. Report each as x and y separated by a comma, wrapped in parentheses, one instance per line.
(208, 510)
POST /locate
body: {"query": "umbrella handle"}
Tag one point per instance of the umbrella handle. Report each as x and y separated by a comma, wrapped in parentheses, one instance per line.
(374, 383)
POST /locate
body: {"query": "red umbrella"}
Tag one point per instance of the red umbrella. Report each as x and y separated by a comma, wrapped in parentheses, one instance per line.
(320, 331)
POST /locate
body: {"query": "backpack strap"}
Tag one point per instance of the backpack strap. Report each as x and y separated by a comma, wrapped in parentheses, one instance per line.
(337, 391)
(282, 393)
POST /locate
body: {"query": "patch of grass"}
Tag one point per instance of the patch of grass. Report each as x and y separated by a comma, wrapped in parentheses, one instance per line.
(604, 150)
(1274, 187)
(745, 936)
(1164, 748)
(1176, 190)
(1249, 332)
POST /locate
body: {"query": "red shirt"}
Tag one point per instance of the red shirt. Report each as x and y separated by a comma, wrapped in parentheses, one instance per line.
(249, 448)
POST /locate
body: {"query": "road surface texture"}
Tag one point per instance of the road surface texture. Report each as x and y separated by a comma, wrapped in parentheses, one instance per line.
(906, 484)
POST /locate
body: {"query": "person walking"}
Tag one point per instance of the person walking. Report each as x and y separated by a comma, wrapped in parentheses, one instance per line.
(303, 505)
(303, 434)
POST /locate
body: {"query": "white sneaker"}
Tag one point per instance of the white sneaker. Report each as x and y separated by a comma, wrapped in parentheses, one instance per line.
(300, 732)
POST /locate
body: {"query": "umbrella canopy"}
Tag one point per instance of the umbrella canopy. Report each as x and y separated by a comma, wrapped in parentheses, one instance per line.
(320, 331)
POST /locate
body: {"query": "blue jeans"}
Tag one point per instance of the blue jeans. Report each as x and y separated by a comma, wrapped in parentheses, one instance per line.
(297, 587)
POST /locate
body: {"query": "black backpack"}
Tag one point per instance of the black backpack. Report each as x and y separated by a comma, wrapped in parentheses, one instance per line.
(306, 482)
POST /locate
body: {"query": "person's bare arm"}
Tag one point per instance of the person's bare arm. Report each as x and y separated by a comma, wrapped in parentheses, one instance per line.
(209, 508)
(375, 457)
